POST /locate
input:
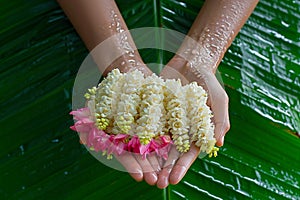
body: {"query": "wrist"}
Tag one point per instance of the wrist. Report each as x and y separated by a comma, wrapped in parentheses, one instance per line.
(187, 67)
(126, 63)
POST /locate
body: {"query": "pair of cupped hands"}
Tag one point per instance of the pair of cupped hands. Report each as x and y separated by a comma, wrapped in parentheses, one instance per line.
(153, 170)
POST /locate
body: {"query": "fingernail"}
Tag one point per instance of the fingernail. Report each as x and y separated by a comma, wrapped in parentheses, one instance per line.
(138, 175)
(165, 182)
(151, 178)
(222, 140)
(154, 177)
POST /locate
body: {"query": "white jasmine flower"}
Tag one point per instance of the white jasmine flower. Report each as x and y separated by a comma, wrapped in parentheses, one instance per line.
(146, 108)
(149, 125)
(177, 121)
(202, 129)
(128, 103)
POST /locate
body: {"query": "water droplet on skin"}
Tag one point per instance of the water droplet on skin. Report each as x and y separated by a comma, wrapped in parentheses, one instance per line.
(131, 61)
(194, 52)
(122, 37)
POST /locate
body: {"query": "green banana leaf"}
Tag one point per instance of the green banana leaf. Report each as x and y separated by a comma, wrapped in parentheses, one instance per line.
(40, 158)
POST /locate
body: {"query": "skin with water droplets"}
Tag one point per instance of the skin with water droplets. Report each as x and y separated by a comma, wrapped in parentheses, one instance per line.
(122, 41)
(212, 33)
(105, 34)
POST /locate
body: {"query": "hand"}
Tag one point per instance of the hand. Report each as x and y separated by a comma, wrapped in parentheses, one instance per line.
(174, 169)
(139, 168)
(123, 64)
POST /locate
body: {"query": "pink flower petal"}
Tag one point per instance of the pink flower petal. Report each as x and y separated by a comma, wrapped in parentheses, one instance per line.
(121, 137)
(117, 144)
(73, 128)
(81, 113)
(83, 137)
(82, 127)
(144, 149)
(100, 141)
(92, 136)
(120, 148)
(134, 144)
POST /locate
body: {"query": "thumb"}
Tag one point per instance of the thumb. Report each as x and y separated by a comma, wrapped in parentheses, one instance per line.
(219, 105)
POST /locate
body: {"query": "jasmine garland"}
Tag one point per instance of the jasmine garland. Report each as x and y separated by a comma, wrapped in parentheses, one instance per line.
(130, 112)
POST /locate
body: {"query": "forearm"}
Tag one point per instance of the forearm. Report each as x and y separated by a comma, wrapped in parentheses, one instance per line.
(96, 21)
(213, 31)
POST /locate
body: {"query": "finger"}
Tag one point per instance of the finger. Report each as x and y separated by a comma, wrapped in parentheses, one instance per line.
(155, 163)
(219, 105)
(221, 128)
(221, 119)
(131, 165)
(150, 175)
(163, 177)
(183, 164)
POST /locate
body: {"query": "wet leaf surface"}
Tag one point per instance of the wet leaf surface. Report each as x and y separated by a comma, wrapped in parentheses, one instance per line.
(40, 158)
